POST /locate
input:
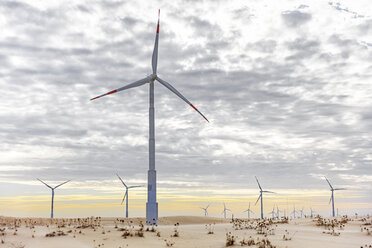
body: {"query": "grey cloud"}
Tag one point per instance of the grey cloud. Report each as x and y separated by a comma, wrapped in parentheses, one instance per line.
(295, 18)
(337, 6)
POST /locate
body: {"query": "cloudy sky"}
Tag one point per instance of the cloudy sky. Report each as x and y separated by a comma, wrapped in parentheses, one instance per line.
(286, 86)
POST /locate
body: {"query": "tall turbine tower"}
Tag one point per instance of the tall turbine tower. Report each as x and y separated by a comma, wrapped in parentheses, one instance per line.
(152, 205)
(52, 206)
(249, 211)
(261, 196)
(332, 199)
(224, 210)
(126, 194)
(206, 210)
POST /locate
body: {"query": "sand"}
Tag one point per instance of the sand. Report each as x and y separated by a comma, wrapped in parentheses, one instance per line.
(192, 232)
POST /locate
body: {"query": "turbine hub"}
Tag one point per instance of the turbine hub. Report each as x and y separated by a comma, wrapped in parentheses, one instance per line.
(152, 77)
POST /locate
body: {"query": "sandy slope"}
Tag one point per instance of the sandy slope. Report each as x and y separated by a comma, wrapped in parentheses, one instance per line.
(192, 233)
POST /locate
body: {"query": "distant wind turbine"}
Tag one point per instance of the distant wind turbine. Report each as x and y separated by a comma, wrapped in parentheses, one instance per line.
(52, 206)
(206, 210)
(294, 211)
(152, 205)
(224, 210)
(261, 196)
(302, 212)
(332, 199)
(272, 213)
(312, 212)
(277, 212)
(249, 211)
(126, 195)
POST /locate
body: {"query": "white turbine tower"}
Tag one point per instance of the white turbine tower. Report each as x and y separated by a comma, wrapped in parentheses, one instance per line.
(249, 211)
(224, 210)
(206, 210)
(52, 188)
(332, 199)
(126, 195)
(152, 205)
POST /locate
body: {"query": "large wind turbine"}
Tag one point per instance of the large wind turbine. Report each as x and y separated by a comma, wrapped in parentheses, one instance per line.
(152, 205)
(249, 211)
(126, 194)
(224, 210)
(206, 210)
(261, 191)
(52, 188)
(332, 196)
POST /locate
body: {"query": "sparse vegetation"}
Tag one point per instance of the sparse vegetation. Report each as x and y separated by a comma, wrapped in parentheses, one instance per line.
(230, 239)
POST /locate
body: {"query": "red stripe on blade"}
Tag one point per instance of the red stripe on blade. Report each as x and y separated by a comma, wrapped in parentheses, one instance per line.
(194, 107)
(198, 111)
(157, 30)
(112, 92)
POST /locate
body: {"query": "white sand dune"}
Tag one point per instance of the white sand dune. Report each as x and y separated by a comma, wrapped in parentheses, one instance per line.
(107, 232)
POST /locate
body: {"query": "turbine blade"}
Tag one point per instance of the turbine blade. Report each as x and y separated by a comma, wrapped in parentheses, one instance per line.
(44, 183)
(137, 186)
(330, 199)
(258, 199)
(171, 88)
(131, 85)
(228, 209)
(268, 192)
(155, 52)
(61, 184)
(340, 189)
(251, 211)
(126, 193)
(122, 181)
(258, 183)
(245, 210)
(328, 183)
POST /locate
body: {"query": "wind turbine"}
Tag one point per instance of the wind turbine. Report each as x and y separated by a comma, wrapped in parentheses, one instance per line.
(272, 213)
(206, 210)
(261, 196)
(152, 205)
(294, 211)
(311, 212)
(126, 194)
(302, 211)
(52, 188)
(277, 212)
(224, 210)
(332, 196)
(249, 211)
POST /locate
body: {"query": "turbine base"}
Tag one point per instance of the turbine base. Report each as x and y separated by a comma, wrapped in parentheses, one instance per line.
(152, 214)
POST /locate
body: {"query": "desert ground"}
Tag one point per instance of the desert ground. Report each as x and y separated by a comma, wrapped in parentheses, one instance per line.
(186, 231)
